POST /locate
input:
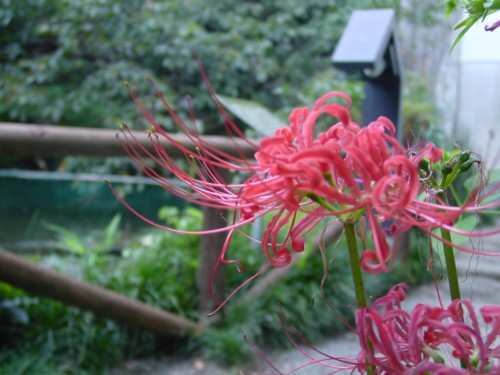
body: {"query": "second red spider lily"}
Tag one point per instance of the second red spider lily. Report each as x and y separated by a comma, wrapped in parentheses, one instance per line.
(428, 339)
(425, 340)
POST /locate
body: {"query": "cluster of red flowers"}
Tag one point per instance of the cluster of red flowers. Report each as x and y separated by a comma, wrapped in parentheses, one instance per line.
(425, 340)
(428, 340)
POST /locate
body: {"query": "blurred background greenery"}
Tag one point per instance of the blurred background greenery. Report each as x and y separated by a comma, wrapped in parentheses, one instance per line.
(64, 62)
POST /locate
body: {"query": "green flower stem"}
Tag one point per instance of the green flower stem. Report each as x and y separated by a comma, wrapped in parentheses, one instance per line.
(451, 267)
(451, 270)
(357, 275)
(449, 257)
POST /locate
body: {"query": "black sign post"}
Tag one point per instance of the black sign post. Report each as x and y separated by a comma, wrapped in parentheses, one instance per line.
(369, 46)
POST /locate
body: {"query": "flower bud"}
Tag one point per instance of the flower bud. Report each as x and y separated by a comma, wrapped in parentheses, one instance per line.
(464, 157)
(424, 165)
(465, 166)
(447, 168)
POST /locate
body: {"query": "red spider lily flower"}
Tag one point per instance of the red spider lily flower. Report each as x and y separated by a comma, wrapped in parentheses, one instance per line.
(345, 172)
(428, 339)
(425, 340)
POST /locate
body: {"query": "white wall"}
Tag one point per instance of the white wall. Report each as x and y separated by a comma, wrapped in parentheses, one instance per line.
(477, 123)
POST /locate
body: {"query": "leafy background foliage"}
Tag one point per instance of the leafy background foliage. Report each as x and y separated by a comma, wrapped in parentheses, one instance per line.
(64, 61)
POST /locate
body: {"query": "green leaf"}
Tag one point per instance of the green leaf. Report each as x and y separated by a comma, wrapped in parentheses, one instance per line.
(69, 240)
(110, 232)
(465, 223)
(469, 22)
(253, 114)
(461, 23)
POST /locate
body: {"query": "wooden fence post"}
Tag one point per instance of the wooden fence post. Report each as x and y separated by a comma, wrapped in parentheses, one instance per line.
(211, 246)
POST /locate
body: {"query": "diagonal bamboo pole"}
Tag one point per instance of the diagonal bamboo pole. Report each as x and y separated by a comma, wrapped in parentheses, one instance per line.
(48, 283)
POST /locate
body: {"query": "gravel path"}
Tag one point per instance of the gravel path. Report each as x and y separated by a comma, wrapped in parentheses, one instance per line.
(479, 281)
